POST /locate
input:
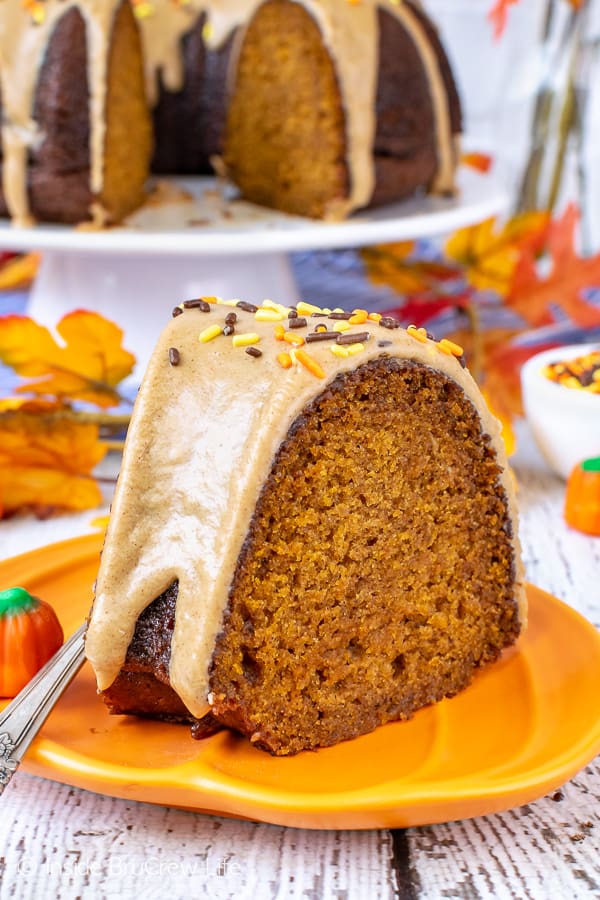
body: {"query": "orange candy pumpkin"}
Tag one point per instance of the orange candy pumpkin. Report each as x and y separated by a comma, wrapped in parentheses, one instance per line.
(30, 634)
(582, 500)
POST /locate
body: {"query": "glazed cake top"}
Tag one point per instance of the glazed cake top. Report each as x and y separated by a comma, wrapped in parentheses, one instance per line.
(224, 384)
(350, 32)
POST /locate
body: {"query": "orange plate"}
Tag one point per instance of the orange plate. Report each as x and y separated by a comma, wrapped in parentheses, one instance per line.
(524, 727)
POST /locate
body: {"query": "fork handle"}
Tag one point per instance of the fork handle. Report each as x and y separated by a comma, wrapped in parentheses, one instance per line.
(25, 715)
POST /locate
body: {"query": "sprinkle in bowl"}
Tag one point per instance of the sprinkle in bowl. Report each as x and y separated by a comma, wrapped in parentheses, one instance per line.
(564, 416)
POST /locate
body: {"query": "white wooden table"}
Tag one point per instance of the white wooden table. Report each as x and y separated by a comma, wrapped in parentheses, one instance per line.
(62, 842)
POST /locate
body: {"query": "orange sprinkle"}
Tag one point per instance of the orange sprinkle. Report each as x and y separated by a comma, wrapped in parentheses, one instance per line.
(310, 363)
(279, 332)
(284, 360)
(447, 346)
(419, 333)
(358, 317)
(292, 338)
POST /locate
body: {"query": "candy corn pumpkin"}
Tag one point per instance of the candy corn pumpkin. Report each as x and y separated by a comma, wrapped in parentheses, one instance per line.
(582, 500)
(30, 634)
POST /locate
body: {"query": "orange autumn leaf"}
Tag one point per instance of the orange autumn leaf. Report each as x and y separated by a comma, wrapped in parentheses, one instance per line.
(490, 255)
(499, 367)
(505, 419)
(88, 365)
(46, 458)
(533, 295)
(481, 162)
(498, 15)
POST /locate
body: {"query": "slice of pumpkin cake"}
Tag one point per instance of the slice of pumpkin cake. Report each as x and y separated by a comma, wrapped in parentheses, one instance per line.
(313, 532)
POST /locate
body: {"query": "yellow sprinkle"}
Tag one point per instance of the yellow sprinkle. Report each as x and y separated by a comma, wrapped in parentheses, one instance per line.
(270, 304)
(354, 348)
(450, 347)
(306, 309)
(222, 302)
(210, 333)
(309, 363)
(339, 309)
(268, 315)
(143, 10)
(285, 360)
(374, 317)
(279, 332)
(244, 340)
(292, 337)
(359, 317)
(342, 325)
(207, 31)
(418, 333)
(339, 350)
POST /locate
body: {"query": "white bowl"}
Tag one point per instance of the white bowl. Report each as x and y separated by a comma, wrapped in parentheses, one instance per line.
(565, 422)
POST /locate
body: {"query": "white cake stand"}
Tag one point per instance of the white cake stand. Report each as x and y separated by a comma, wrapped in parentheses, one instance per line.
(191, 239)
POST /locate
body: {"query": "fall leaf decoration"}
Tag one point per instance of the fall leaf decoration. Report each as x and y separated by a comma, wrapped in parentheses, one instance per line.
(87, 367)
(534, 297)
(498, 14)
(49, 445)
(531, 274)
(481, 162)
(489, 255)
(46, 459)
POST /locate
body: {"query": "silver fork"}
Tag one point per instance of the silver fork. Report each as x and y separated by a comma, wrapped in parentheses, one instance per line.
(25, 715)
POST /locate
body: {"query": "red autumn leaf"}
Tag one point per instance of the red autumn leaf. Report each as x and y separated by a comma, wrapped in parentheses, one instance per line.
(533, 295)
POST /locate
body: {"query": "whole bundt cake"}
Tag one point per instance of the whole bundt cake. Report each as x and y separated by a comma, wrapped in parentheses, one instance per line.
(313, 531)
(314, 107)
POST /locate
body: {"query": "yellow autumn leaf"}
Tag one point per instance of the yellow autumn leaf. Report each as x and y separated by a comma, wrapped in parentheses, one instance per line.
(46, 460)
(490, 254)
(88, 365)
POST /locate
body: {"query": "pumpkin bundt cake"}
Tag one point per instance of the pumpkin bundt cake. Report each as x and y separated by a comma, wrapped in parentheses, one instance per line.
(314, 107)
(313, 532)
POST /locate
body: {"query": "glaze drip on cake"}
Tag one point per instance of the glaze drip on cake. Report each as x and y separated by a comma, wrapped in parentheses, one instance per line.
(238, 409)
(349, 32)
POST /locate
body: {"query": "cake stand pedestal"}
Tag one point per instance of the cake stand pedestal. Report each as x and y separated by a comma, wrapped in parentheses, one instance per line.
(192, 239)
(138, 292)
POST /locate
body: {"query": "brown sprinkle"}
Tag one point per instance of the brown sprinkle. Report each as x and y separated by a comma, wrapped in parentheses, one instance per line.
(231, 318)
(228, 329)
(177, 310)
(389, 322)
(353, 337)
(293, 313)
(322, 336)
(247, 307)
(199, 303)
(342, 315)
(297, 322)
(174, 356)
(384, 343)
(253, 351)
